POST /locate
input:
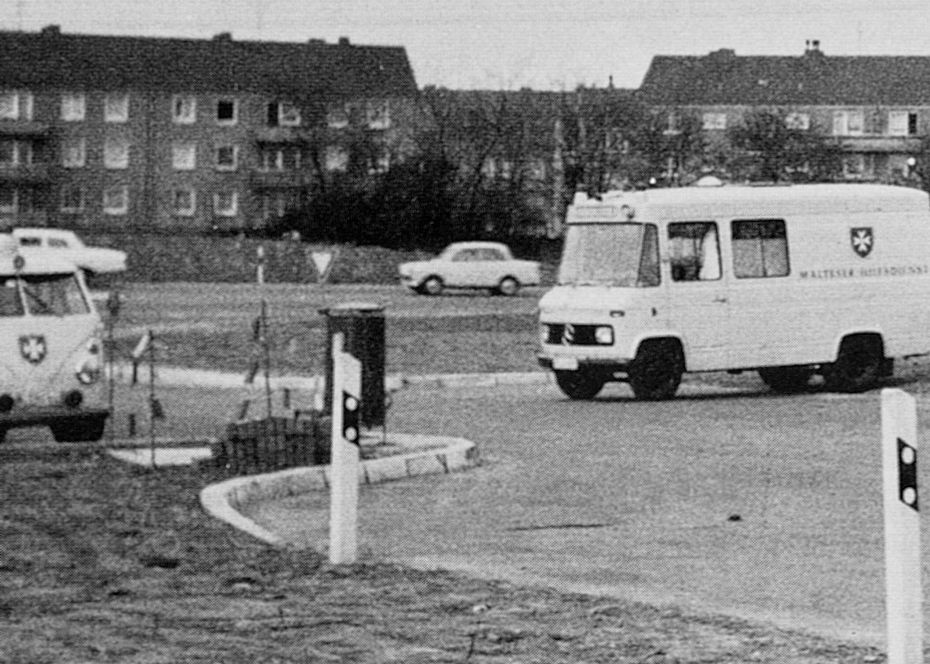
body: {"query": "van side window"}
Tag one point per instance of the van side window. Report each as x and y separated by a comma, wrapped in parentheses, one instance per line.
(10, 302)
(760, 249)
(694, 251)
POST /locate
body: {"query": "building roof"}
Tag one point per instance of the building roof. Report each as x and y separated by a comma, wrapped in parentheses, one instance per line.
(811, 79)
(52, 59)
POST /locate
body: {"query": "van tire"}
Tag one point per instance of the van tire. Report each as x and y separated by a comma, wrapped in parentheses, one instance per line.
(858, 365)
(655, 372)
(579, 385)
(79, 429)
(786, 380)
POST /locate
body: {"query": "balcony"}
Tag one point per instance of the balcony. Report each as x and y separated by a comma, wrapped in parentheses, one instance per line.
(271, 135)
(261, 179)
(879, 143)
(25, 128)
(24, 173)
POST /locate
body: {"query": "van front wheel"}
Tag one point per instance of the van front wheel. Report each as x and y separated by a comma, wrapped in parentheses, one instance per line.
(655, 372)
(858, 365)
(579, 385)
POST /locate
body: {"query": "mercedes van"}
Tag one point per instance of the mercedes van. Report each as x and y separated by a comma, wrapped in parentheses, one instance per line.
(786, 280)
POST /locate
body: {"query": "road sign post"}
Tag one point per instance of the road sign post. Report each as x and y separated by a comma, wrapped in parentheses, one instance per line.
(903, 593)
(344, 468)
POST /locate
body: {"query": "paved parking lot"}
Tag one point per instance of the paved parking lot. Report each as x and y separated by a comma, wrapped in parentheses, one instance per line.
(751, 505)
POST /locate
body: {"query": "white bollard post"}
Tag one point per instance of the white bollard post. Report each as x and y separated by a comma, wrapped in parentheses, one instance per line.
(260, 268)
(344, 468)
(903, 595)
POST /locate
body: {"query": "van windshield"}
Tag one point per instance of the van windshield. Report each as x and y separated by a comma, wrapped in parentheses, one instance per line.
(612, 254)
(54, 295)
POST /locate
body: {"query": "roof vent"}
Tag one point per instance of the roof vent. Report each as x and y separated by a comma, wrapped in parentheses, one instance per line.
(316, 40)
(812, 47)
(51, 30)
(722, 53)
(223, 37)
(344, 41)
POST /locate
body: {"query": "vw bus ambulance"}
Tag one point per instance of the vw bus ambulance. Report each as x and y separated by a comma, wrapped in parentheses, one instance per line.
(51, 361)
(787, 280)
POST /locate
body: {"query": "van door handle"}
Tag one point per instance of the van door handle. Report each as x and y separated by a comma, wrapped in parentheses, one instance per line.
(720, 299)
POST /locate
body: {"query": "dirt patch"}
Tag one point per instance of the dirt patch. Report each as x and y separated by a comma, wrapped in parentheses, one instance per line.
(107, 562)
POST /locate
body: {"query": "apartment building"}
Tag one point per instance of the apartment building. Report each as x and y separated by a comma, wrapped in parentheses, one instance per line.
(876, 108)
(156, 134)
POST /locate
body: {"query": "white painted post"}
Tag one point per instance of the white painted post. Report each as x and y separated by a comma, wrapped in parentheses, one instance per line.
(903, 595)
(260, 268)
(344, 468)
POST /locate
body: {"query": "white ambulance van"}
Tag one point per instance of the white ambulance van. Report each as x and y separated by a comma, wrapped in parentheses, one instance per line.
(51, 355)
(787, 280)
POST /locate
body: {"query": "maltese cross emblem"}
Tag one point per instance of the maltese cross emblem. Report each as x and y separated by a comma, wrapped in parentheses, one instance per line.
(862, 240)
(32, 348)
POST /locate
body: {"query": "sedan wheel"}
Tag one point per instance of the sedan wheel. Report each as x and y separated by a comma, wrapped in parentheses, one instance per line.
(508, 286)
(432, 285)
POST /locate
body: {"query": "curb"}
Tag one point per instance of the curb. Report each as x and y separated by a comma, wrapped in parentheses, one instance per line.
(223, 500)
(180, 376)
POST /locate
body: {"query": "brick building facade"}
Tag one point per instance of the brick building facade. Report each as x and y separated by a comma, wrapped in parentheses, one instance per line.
(171, 134)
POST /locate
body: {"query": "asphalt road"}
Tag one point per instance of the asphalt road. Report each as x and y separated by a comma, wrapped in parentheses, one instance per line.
(742, 503)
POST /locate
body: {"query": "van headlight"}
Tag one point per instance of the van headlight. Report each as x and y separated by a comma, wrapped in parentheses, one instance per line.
(604, 335)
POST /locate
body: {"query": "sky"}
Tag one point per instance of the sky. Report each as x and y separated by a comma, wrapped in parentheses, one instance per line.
(509, 44)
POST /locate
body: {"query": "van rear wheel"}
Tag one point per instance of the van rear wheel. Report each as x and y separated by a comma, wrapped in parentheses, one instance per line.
(580, 384)
(655, 372)
(858, 365)
(786, 379)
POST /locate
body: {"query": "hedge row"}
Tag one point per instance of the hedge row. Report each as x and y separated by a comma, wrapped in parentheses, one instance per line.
(193, 258)
(159, 258)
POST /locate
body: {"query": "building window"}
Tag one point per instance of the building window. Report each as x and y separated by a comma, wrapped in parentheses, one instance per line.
(337, 158)
(225, 203)
(715, 121)
(902, 123)
(337, 117)
(183, 109)
(15, 105)
(72, 106)
(184, 156)
(799, 121)
(848, 123)
(9, 152)
(284, 114)
(72, 199)
(183, 202)
(227, 157)
(73, 152)
(760, 249)
(377, 115)
(226, 111)
(272, 159)
(116, 107)
(116, 152)
(116, 200)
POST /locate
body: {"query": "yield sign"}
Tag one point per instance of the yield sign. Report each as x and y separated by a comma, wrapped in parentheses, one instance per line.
(322, 260)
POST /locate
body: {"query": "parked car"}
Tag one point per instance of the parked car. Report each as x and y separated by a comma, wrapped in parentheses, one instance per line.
(488, 265)
(93, 260)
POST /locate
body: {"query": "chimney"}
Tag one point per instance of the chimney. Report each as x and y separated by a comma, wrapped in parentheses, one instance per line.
(222, 37)
(51, 30)
(344, 41)
(812, 47)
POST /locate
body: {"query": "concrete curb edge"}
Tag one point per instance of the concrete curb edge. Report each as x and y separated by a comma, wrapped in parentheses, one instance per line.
(223, 500)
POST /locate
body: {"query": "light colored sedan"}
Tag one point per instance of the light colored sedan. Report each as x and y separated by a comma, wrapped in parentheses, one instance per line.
(488, 265)
(94, 260)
